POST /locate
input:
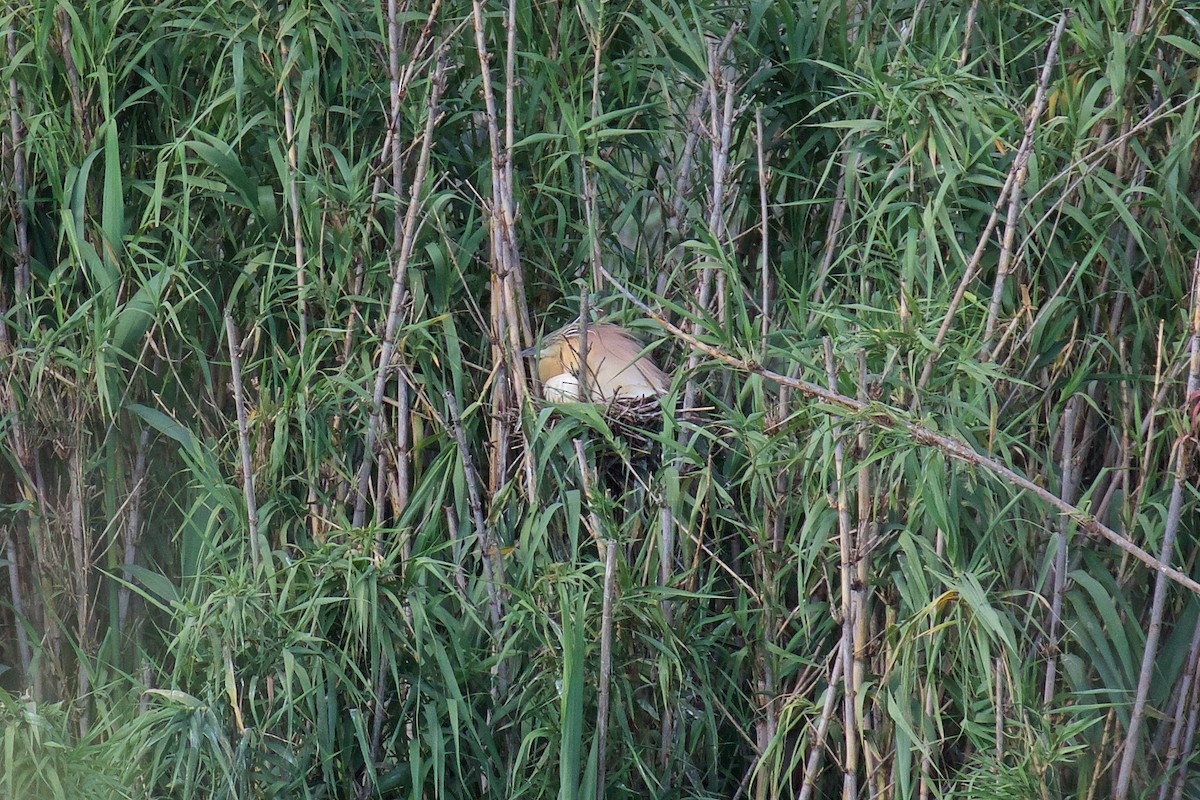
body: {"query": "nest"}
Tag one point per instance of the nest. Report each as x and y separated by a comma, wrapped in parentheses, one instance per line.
(633, 421)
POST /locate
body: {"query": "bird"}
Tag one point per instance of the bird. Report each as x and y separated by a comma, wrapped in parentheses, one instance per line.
(616, 368)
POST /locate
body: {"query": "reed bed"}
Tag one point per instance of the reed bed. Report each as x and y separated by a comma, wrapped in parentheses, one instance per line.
(284, 515)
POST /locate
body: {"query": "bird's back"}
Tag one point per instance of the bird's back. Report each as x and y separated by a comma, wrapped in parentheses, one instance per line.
(617, 368)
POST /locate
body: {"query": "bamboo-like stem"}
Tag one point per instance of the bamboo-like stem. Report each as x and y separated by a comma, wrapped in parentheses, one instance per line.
(398, 90)
(764, 231)
(1183, 707)
(399, 288)
(1174, 512)
(16, 597)
(1067, 492)
(587, 483)
(887, 418)
(605, 680)
(998, 668)
(1020, 172)
(816, 749)
(1189, 738)
(64, 38)
(850, 159)
(848, 622)
(460, 574)
(289, 124)
(511, 329)
(720, 89)
(81, 544)
(22, 460)
(968, 29)
(590, 178)
(489, 550)
(503, 202)
(925, 782)
(402, 232)
(682, 187)
(860, 553)
(399, 277)
(19, 181)
(133, 525)
(239, 398)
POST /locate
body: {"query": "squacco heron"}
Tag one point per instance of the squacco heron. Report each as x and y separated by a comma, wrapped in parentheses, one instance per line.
(616, 368)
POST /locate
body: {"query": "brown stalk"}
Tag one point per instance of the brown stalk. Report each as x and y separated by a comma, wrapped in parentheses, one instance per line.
(887, 418)
(399, 289)
(488, 548)
(846, 569)
(764, 229)
(388, 153)
(720, 89)
(925, 782)
(26, 490)
(460, 575)
(398, 90)
(16, 597)
(860, 552)
(21, 216)
(399, 228)
(683, 177)
(816, 748)
(64, 37)
(1067, 492)
(402, 233)
(81, 546)
(1178, 723)
(587, 482)
(510, 312)
(590, 180)
(968, 30)
(133, 526)
(850, 159)
(764, 559)
(605, 680)
(1188, 740)
(289, 124)
(239, 398)
(1183, 453)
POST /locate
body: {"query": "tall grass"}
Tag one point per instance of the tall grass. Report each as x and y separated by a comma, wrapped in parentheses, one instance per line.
(284, 517)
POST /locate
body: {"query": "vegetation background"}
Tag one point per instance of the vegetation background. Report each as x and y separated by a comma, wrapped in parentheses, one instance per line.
(283, 517)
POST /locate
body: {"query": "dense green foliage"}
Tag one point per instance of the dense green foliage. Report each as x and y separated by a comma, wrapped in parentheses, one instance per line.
(887, 199)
